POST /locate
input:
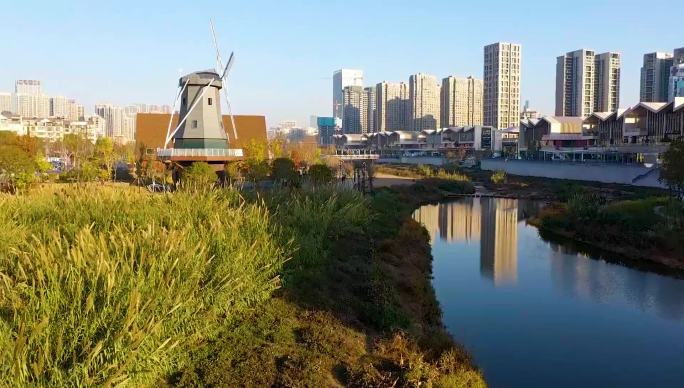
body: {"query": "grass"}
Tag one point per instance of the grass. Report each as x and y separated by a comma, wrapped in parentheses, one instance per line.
(116, 286)
(104, 287)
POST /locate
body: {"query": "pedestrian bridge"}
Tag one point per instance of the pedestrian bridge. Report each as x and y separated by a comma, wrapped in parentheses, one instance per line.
(353, 155)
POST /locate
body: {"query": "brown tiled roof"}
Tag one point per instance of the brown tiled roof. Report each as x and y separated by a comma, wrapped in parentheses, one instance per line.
(150, 129)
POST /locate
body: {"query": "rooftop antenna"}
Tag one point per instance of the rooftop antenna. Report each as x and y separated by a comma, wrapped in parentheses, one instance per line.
(219, 65)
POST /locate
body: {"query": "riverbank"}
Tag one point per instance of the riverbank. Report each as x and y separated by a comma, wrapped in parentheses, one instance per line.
(293, 288)
(625, 221)
(641, 231)
(512, 186)
(359, 312)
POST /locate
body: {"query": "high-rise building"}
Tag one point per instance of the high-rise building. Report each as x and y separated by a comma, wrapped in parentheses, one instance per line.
(6, 102)
(676, 82)
(461, 103)
(30, 105)
(114, 119)
(392, 106)
(575, 74)
(369, 110)
(29, 100)
(587, 83)
(58, 107)
(353, 101)
(75, 112)
(655, 74)
(678, 57)
(424, 102)
(327, 127)
(607, 97)
(341, 79)
(30, 87)
(502, 63)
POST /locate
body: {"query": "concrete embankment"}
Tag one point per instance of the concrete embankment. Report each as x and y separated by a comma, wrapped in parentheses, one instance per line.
(596, 172)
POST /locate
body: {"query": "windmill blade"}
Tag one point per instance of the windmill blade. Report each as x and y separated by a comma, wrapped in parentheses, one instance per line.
(173, 110)
(231, 59)
(219, 61)
(230, 112)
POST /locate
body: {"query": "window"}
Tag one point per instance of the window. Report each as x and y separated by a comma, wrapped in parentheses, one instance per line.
(184, 102)
(209, 100)
(194, 123)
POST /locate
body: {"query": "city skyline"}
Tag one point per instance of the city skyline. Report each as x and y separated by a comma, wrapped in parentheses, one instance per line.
(117, 53)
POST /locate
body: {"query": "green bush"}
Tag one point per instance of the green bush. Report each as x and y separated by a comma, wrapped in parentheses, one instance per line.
(425, 171)
(199, 176)
(498, 177)
(283, 171)
(320, 174)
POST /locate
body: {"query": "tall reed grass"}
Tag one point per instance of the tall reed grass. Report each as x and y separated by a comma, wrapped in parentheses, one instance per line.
(103, 286)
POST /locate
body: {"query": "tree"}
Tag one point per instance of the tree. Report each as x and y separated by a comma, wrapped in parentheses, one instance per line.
(257, 170)
(283, 171)
(75, 146)
(232, 171)
(199, 176)
(320, 174)
(104, 154)
(256, 151)
(672, 170)
(17, 169)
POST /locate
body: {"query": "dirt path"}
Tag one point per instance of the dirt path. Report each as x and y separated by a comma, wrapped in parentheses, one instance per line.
(387, 180)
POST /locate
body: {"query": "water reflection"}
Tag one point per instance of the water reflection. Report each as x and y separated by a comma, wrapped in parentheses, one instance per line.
(578, 274)
(497, 223)
(492, 222)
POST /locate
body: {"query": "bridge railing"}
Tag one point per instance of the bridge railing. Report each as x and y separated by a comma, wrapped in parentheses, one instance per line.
(199, 152)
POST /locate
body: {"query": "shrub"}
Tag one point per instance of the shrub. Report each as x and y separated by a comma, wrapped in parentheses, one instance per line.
(199, 176)
(424, 170)
(283, 171)
(498, 177)
(320, 174)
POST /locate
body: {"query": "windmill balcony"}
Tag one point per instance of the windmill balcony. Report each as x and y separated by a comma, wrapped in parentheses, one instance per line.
(199, 154)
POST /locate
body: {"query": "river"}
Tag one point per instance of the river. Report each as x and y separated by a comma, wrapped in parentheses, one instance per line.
(535, 313)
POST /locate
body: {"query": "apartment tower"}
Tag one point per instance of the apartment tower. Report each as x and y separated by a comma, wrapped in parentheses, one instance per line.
(607, 84)
(341, 79)
(29, 100)
(587, 83)
(502, 85)
(392, 104)
(461, 102)
(353, 102)
(655, 75)
(6, 102)
(369, 110)
(424, 94)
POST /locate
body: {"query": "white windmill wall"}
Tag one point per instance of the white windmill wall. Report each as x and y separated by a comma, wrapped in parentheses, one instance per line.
(203, 127)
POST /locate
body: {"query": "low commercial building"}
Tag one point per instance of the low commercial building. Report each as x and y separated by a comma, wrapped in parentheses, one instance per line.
(533, 130)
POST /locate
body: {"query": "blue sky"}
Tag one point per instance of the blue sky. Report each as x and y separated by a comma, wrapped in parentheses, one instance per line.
(131, 51)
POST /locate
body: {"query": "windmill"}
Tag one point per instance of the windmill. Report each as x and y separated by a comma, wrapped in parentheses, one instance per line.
(200, 134)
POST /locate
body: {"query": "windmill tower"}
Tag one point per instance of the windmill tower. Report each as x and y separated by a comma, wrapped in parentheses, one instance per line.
(200, 135)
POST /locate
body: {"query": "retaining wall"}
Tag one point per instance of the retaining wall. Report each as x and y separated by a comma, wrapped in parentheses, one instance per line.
(596, 172)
